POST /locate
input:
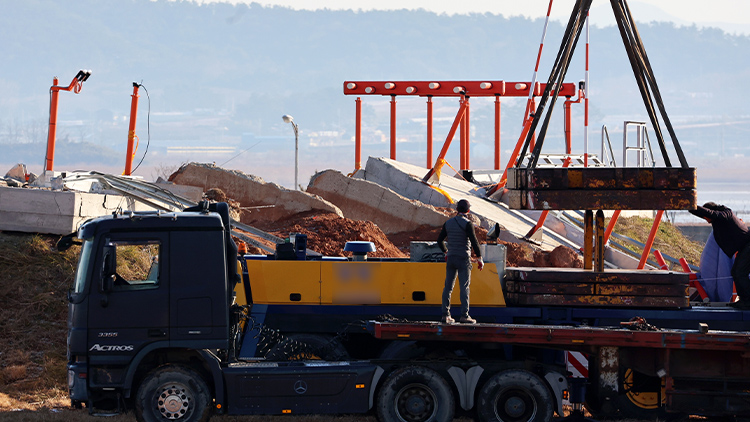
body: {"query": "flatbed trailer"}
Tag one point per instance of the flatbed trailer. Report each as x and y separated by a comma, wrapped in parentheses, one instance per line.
(704, 372)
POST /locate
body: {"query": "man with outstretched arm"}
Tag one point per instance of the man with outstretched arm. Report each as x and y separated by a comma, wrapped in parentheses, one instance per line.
(732, 236)
(459, 231)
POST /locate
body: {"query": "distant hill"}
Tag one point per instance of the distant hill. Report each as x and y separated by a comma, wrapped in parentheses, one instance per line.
(221, 74)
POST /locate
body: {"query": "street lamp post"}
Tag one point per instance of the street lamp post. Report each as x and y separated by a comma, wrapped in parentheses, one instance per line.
(289, 119)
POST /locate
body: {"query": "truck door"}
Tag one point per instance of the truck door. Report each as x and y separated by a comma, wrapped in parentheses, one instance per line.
(129, 304)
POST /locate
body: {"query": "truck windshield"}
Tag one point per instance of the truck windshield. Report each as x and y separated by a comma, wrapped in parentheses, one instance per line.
(83, 266)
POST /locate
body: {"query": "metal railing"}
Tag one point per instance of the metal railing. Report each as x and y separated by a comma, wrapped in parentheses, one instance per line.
(642, 145)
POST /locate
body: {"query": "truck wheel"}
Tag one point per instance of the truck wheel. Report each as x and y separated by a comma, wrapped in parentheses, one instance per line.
(308, 346)
(173, 392)
(515, 396)
(415, 394)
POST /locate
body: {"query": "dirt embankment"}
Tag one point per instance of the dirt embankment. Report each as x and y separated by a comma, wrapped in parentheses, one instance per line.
(34, 281)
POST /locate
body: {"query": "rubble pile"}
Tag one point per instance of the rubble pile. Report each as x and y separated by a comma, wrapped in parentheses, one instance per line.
(337, 209)
(328, 233)
(260, 201)
(364, 200)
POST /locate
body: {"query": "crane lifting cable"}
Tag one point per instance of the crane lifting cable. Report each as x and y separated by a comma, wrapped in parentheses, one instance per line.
(556, 77)
(644, 75)
(642, 71)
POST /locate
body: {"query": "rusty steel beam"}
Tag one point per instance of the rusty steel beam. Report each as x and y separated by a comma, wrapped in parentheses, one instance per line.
(599, 242)
(643, 290)
(532, 287)
(588, 240)
(625, 178)
(597, 300)
(615, 277)
(602, 199)
(604, 289)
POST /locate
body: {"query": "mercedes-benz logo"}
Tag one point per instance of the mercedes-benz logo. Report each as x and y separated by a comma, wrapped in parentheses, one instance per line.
(300, 387)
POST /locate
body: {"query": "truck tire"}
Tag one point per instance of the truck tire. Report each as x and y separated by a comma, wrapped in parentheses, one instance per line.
(415, 394)
(300, 346)
(515, 396)
(173, 393)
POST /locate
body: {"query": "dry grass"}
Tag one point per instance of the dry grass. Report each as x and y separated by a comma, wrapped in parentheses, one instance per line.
(34, 281)
(668, 239)
(134, 261)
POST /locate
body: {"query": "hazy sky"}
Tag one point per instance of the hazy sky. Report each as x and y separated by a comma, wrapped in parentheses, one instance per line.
(730, 15)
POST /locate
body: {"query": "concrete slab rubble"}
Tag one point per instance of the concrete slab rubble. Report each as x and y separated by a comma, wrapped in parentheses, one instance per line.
(252, 191)
(55, 212)
(364, 200)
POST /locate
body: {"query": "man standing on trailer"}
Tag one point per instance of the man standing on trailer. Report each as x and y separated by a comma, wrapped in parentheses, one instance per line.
(732, 236)
(459, 231)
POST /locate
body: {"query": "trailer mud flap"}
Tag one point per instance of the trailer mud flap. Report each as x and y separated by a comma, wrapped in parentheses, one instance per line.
(466, 384)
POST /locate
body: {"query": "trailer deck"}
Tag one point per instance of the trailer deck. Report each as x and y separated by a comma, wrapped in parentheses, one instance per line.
(704, 373)
(570, 338)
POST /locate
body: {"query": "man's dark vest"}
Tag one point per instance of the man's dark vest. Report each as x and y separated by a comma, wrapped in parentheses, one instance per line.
(457, 239)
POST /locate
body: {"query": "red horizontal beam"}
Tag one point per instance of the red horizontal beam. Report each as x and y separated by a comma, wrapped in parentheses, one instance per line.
(554, 336)
(450, 88)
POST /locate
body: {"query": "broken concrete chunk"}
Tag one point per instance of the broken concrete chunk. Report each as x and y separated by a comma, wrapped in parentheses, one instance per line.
(17, 172)
(13, 182)
(363, 200)
(252, 191)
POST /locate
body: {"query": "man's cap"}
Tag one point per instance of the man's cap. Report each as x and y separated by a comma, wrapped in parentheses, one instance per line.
(463, 206)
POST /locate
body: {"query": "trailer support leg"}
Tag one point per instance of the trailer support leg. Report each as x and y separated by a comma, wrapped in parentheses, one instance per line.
(588, 239)
(608, 361)
(599, 242)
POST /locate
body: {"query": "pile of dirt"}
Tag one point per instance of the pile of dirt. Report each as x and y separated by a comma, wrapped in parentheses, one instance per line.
(518, 254)
(327, 233)
(426, 234)
(402, 240)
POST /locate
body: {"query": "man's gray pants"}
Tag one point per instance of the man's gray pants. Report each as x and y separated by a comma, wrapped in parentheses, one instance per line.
(461, 266)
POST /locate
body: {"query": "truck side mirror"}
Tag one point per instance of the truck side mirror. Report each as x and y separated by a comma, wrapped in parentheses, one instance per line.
(108, 269)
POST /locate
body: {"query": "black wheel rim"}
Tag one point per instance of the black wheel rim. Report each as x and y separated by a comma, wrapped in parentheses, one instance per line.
(515, 405)
(416, 403)
(174, 401)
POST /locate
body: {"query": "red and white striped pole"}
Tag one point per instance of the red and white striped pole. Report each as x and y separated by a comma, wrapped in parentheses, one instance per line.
(586, 102)
(536, 67)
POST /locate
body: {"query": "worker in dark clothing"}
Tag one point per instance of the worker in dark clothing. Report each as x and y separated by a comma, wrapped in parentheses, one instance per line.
(732, 236)
(459, 232)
